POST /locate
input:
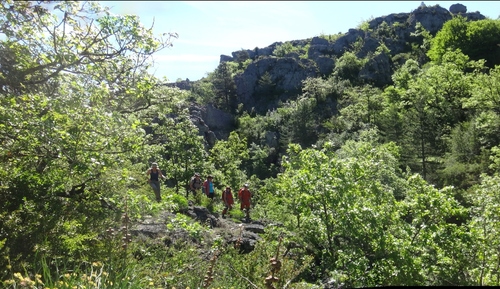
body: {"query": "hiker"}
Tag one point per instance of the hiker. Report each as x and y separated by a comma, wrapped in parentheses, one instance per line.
(244, 195)
(195, 185)
(154, 174)
(227, 199)
(208, 187)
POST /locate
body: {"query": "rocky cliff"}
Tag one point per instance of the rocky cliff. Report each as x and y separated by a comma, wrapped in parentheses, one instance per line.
(395, 31)
(394, 34)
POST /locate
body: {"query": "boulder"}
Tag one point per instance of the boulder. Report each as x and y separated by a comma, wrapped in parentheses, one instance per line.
(255, 228)
(246, 241)
(203, 215)
(458, 8)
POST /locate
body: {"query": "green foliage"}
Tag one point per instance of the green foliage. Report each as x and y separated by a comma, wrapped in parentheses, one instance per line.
(344, 205)
(383, 30)
(73, 98)
(484, 230)
(323, 89)
(359, 108)
(348, 67)
(203, 91)
(224, 86)
(426, 107)
(375, 187)
(287, 47)
(424, 36)
(331, 37)
(297, 122)
(227, 157)
(320, 190)
(365, 25)
(382, 49)
(182, 148)
(181, 221)
(257, 263)
(266, 86)
(463, 35)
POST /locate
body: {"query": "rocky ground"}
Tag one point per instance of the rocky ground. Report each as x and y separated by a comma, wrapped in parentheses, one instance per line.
(230, 229)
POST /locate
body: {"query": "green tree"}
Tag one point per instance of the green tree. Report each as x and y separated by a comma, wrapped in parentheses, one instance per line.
(332, 197)
(225, 87)
(74, 84)
(266, 86)
(365, 220)
(484, 232)
(477, 39)
(226, 157)
(360, 107)
(298, 122)
(426, 104)
(348, 67)
(183, 149)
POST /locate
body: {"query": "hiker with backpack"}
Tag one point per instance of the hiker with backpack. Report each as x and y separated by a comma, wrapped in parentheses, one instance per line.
(154, 174)
(227, 199)
(208, 187)
(195, 185)
(244, 195)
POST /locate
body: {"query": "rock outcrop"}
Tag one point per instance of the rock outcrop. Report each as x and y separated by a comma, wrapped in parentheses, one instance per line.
(212, 123)
(269, 79)
(458, 8)
(245, 234)
(287, 73)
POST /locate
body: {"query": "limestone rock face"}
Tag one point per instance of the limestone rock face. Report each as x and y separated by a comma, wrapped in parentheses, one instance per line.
(432, 18)
(286, 75)
(270, 80)
(212, 123)
(378, 70)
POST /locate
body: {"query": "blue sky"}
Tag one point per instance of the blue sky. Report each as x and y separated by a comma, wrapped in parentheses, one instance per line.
(208, 29)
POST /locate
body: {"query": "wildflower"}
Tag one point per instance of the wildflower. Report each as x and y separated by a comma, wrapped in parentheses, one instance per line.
(18, 275)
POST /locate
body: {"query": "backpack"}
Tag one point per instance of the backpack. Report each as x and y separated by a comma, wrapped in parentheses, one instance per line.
(199, 182)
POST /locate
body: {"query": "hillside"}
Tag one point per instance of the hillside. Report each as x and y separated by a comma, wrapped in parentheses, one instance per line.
(372, 155)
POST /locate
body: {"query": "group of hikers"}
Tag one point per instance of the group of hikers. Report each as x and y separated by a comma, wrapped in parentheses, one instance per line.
(207, 187)
(199, 187)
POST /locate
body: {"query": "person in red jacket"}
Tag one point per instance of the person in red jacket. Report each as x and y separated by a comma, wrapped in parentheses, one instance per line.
(227, 198)
(244, 195)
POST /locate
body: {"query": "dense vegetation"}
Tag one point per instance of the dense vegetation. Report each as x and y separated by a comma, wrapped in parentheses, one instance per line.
(367, 186)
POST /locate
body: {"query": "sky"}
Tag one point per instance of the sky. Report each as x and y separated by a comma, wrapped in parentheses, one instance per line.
(207, 29)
